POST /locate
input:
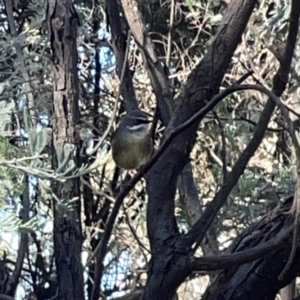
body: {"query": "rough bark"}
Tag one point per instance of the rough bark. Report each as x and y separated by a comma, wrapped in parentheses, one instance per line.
(62, 24)
(259, 279)
(280, 82)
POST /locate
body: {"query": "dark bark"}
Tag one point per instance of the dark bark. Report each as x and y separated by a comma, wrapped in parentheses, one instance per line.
(62, 24)
(170, 263)
(171, 260)
(258, 280)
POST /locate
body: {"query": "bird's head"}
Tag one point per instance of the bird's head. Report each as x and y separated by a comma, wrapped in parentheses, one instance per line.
(136, 121)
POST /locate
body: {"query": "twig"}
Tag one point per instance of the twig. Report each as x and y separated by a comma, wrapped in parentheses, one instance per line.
(169, 47)
(97, 191)
(243, 119)
(223, 150)
(133, 231)
(91, 126)
(261, 80)
(155, 70)
(25, 198)
(117, 41)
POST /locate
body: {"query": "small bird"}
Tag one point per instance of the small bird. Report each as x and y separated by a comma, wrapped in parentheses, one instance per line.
(132, 144)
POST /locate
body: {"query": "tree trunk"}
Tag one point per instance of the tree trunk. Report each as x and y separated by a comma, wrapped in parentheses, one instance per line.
(62, 24)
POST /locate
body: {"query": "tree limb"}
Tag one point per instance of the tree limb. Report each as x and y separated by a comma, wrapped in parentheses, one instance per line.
(197, 232)
(119, 46)
(234, 259)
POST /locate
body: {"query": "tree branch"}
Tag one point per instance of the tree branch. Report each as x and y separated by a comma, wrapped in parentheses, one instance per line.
(119, 45)
(197, 232)
(235, 259)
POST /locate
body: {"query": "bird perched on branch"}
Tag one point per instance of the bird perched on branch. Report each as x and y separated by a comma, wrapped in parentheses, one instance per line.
(132, 144)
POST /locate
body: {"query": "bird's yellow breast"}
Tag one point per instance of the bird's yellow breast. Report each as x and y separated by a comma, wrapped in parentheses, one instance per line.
(133, 150)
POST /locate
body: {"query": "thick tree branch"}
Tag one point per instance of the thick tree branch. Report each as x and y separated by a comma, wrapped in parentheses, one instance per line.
(197, 232)
(163, 92)
(235, 259)
(176, 156)
(125, 189)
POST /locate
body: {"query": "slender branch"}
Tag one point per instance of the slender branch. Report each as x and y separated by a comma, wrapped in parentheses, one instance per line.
(169, 47)
(293, 30)
(198, 231)
(243, 119)
(223, 146)
(23, 245)
(101, 248)
(125, 189)
(133, 231)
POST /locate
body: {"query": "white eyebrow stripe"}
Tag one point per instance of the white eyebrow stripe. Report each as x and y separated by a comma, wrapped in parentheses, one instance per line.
(145, 120)
(136, 127)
